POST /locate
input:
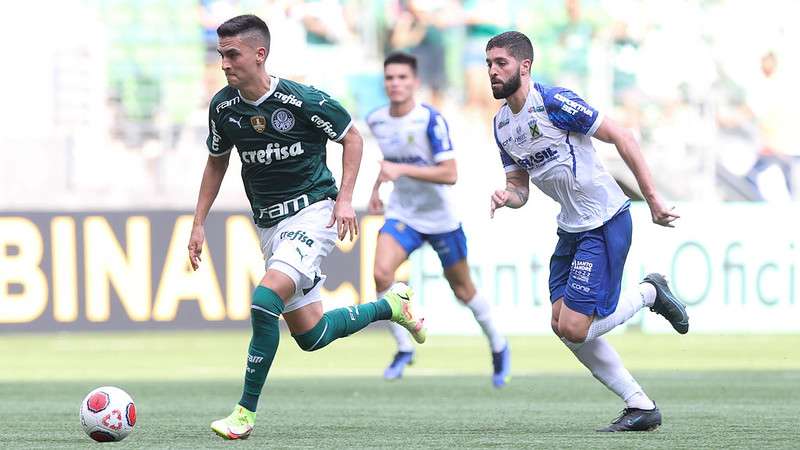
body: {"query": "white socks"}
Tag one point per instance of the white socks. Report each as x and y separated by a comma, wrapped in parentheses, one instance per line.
(401, 335)
(483, 315)
(629, 303)
(605, 364)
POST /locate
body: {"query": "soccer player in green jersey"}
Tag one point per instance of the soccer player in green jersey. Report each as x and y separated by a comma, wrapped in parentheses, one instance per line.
(280, 129)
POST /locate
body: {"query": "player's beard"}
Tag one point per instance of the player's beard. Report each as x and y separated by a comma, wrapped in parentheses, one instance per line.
(508, 87)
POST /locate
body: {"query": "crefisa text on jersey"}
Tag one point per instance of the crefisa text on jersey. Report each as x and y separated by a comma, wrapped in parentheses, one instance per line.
(290, 99)
(326, 126)
(273, 152)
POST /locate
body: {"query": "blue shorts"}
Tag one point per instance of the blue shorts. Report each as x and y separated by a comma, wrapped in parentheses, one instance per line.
(586, 267)
(451, 246)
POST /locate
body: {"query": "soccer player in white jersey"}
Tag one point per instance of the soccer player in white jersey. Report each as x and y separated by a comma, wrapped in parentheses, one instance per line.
(544, 134)
(419, 159)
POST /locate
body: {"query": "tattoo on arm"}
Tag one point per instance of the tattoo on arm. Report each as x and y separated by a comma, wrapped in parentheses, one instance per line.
(522, 194)
(517, 184)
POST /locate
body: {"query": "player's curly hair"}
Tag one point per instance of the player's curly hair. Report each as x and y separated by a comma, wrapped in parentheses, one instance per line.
(246, 24)
(517, 44)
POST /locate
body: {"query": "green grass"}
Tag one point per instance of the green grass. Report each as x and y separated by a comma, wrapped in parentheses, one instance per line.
(714, 391)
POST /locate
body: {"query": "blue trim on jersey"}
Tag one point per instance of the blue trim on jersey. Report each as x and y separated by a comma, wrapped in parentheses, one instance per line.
(494, 129)
(566, 110)
(572, 152)
(438, 144)
(451, 247)
(505, 158)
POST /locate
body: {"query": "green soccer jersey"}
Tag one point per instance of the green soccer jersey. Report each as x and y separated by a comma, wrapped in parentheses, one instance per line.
(281, 141)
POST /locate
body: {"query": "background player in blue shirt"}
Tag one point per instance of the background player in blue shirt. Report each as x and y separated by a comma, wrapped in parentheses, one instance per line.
(544, 134)
(419, 159)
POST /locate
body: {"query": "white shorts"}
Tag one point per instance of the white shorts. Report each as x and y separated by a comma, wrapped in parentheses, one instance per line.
(296, 247)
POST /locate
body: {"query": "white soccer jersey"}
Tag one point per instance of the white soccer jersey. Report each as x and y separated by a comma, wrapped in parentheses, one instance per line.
(421, 138)
(550, 138)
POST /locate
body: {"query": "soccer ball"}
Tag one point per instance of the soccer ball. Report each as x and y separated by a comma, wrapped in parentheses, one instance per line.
(108, 414)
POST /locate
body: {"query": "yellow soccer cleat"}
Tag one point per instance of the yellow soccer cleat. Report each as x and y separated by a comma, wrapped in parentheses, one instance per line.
(399, 298)
(238, 425)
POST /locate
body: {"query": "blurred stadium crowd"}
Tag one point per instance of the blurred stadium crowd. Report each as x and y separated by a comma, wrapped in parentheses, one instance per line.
(112, 112)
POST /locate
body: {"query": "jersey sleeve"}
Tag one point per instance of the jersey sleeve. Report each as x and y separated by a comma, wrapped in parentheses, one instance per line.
(509, 165)
(570, 112)
(218, 144)
(327, 114)
(439, 137)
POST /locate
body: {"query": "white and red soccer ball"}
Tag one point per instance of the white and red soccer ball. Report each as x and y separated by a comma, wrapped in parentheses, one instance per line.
(108, 414)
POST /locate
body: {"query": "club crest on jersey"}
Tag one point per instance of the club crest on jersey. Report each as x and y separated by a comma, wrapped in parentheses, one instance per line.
(282, 120)
(259, 123)
(534, 127)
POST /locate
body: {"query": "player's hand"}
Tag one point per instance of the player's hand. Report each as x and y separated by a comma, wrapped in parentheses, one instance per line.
(661, 214)
(499, 199)
(390, 171)
(375, 205)
(196, 245)
(345, 219)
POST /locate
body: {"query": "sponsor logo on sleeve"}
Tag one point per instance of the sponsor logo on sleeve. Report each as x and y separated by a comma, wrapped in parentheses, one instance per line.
(324, 125)
(227, 103)
(572, 107)
(215, 137)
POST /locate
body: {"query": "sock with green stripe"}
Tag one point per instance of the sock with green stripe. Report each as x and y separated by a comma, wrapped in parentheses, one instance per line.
(342, 322)
(266, 307)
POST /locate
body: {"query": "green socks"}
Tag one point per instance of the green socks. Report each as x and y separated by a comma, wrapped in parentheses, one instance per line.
(342, 322)
(267, 306)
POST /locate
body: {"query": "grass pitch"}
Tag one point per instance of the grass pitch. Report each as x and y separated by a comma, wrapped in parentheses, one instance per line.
(714, 391)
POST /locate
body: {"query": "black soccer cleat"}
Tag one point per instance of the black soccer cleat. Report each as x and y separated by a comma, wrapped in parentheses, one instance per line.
(667, 305)
(635, 419)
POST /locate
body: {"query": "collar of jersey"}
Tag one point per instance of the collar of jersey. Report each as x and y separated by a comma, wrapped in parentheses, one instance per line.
(408, 114)
(273, 84)
(524, 106)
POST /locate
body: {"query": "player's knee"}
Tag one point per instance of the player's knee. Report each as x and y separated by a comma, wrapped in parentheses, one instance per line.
(463, 292)
(310, 340)
(383, 278)
(572, 332)
(304, 346)
(554, 326)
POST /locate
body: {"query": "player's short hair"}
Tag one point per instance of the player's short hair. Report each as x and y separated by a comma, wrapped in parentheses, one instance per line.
(401, 58)
(246, 24)
(517, 44)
